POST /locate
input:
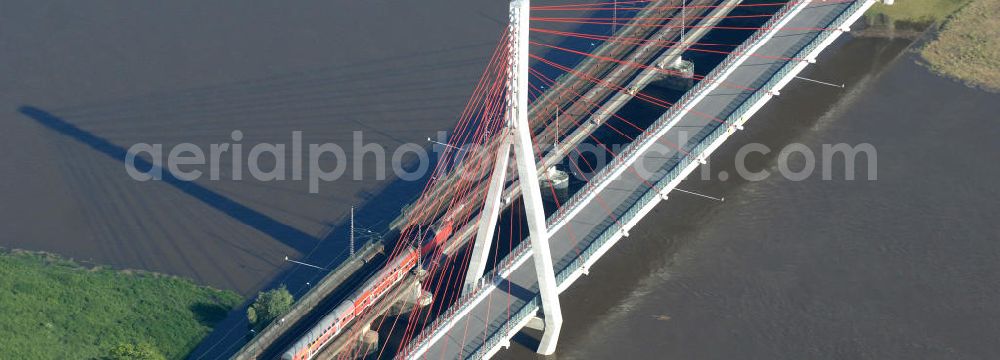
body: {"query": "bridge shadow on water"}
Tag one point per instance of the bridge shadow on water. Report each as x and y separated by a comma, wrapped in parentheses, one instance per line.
(288, 235)
(328, 250)
(391, 97)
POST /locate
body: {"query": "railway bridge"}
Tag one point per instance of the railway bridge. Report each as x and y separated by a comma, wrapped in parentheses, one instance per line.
(495, 248)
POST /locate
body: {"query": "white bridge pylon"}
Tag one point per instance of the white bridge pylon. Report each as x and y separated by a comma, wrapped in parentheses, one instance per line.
(516, 135)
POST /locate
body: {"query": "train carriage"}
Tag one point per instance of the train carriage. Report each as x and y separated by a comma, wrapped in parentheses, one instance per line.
(361, 300)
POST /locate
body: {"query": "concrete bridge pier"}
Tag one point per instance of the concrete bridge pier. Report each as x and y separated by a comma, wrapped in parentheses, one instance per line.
(369, 341)
(680, 74)
(414, 297)
(555, 178)
(366, 343)
(408, 297)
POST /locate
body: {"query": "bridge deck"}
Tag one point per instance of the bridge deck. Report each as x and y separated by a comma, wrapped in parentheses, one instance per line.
(497, 307)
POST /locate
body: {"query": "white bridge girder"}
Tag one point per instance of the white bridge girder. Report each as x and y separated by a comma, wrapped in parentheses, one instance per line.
(517, 137)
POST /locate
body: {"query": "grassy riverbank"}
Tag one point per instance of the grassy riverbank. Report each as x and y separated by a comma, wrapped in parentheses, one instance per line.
(967, 47)
(917, 11)
(54, 308)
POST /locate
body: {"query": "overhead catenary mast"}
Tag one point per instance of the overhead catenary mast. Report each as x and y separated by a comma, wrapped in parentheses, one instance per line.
(352, 231)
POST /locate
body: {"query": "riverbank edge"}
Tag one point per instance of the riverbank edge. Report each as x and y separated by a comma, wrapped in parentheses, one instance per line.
(202, 304)
(924, 33)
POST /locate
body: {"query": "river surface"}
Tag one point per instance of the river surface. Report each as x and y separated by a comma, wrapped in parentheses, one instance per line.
(187, 72)
(906, 266)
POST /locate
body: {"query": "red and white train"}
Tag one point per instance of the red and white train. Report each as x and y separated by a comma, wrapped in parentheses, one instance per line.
(337, 320)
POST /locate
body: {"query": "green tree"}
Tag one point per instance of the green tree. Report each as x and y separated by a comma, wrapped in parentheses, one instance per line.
(141, 351)
(269, 305)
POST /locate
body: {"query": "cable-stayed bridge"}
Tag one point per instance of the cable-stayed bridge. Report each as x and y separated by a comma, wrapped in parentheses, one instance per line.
(549, 166)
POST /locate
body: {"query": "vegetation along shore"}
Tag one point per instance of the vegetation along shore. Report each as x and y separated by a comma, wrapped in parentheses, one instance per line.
(964, 44)
(55, 308)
